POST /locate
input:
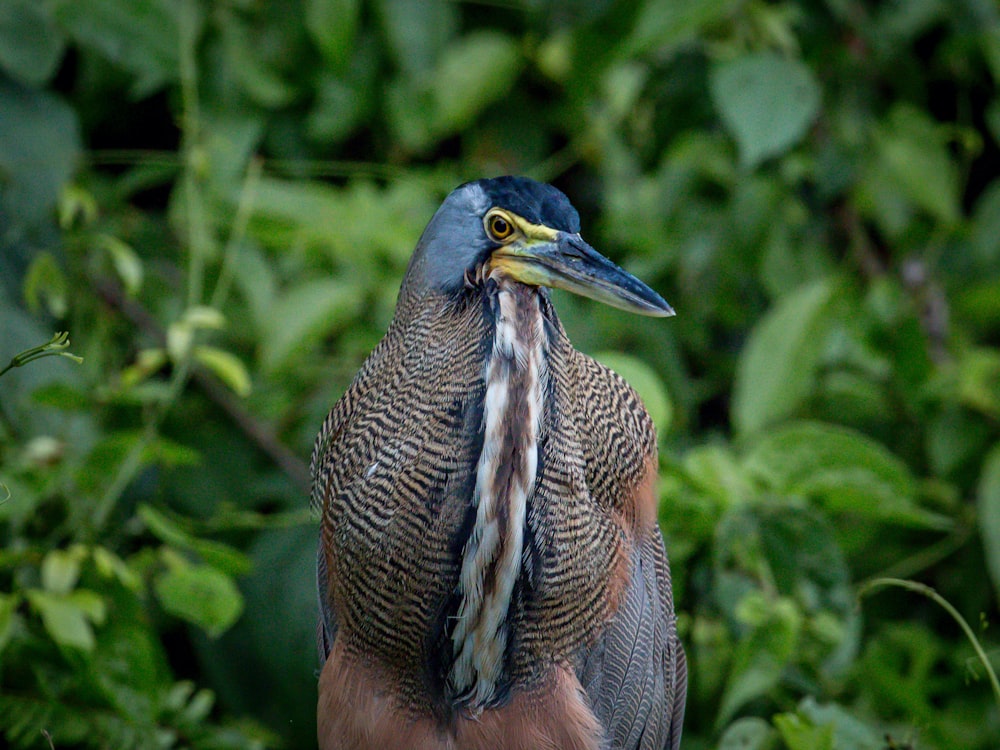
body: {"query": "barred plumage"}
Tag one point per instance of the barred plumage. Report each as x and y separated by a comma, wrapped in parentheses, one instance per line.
(488, 539)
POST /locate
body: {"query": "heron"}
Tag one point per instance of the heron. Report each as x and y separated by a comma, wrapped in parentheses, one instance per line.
(491, 572)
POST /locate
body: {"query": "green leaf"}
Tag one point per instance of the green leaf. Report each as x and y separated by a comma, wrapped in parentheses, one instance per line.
(761, 658)
(30, 43)
(304, 314)
(39, 146)
(45, 280)
(199, 594)
(988, 508)
(473, 73)
(799, 734)
(110, 565)
(61, 569)
(714, 470)
(647, 384)
(90, 603)
(844, 469)
(332, 25)
(8, 615)
(416, 33)
(227, 367)
(776, 370)
(668, 25)
(848, 731)
(984, 229)
(979, 381)
(748, 733)
(170, 531)
(766, 101)
(141, 36)
(263, 83)
(67, 619)
(127, 264)
(913, 151)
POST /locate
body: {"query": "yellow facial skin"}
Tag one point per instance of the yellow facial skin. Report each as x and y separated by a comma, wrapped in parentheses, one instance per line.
(538, 255)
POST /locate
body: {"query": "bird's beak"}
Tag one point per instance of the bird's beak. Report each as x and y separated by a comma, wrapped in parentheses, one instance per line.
(564, 261)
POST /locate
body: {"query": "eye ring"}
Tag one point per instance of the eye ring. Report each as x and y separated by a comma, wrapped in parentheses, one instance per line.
(499, 227)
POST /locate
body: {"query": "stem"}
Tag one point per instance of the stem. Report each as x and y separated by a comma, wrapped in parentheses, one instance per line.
(920, 588)
(240, 222)
(55, 347)
(929, 556)
(198, 241)
(198, 248)
(132, 465)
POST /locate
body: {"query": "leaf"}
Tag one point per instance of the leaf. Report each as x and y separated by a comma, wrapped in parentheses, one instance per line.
(199, 594)
(474, 72)
(646, 383)
(67, 619)
(748, 733)
(30, 43)
(302, 315)
(61, 569)
(979, 381)
(914, 152)
(844, 469)
(416, 33)
(761, 658)
(127, 264)
(141, 36)
(714, 471)
(776, 369)
(45, 280)
(766, 101)
(667, 25)
(799, 734)
(170, 531)
(260, 80)
(8, 616)
(984, 229)
(109, 565)
(39, 146)
(988, 508)
(848, 731)
(332, 25)
(227, 367)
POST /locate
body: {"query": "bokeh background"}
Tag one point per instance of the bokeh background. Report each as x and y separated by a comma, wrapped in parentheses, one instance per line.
(217, 199)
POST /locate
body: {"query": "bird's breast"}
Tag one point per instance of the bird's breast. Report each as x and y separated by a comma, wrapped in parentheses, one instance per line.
(463, 549)
(506, 470)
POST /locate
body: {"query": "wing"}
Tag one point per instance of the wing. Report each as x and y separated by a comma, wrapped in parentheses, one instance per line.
(636, 673)
(388, 450)
(321, 470)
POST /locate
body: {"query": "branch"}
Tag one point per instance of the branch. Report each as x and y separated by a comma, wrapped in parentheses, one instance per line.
(261, 434)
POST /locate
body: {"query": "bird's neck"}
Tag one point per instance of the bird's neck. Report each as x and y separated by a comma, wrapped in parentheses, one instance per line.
(491, 563)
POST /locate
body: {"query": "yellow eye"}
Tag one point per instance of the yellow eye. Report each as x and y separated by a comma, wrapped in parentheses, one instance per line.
(499, 228)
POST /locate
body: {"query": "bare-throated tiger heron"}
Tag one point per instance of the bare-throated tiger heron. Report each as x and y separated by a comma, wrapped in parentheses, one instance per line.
(491, 573)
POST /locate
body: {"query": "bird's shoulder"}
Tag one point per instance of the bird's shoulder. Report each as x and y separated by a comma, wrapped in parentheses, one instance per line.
(616, 434)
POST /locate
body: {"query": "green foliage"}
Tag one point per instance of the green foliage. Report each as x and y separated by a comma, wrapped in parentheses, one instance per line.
(218, 200)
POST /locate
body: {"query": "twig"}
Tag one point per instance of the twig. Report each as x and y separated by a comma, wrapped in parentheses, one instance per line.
(934, 596)
(262, 435)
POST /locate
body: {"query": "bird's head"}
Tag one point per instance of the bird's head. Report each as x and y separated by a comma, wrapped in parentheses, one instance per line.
(526, 231)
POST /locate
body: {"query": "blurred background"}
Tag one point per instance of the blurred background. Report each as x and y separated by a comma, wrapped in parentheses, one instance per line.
(217, 200)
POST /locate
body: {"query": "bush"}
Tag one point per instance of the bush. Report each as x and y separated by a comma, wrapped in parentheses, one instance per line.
(218, 199)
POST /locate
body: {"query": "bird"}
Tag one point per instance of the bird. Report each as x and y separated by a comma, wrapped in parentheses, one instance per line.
(490, 569)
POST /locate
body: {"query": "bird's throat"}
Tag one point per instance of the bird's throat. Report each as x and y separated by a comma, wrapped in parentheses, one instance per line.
(505, 479)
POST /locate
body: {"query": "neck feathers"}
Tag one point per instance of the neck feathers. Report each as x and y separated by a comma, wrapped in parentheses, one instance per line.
(491, 562)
